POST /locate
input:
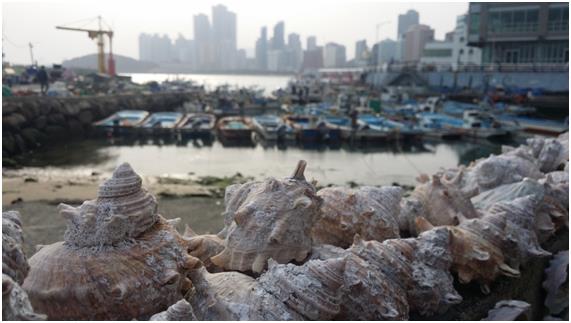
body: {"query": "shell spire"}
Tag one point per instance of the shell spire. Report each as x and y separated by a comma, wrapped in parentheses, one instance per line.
(123, 210)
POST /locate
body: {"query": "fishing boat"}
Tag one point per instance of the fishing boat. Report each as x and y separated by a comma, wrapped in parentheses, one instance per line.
(122, 122)
(161, 123)
(383, 128)
(535, 125)
(197, 124)
(342, 125)
(271, 127)
(234, 129)
(308, 128)
(440, 126)
(481, 125)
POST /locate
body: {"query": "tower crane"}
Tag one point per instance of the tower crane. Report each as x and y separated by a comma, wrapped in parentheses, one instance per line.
(99, 35)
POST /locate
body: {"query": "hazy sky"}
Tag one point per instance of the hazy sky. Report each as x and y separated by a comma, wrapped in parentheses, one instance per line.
(342, 21)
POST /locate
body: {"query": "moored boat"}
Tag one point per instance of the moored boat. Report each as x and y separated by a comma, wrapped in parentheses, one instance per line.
(534, 125)
(480, 125)
(197, 124)
(307, 128)
(440, 126)
(272, 127)
(161, 123)
(234, 128)
(122, 122)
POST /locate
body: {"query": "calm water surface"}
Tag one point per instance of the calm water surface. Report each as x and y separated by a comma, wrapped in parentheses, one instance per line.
(381, 164)
(267, 82)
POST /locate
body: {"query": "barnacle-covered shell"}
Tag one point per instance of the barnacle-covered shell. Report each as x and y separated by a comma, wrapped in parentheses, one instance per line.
(550, 153)
(368, 211)
(204, 247)
(179, 311)
(369, 295)
(130, 280)
(95, 275)
(433, 285)
(15, 303)
(556, 276)
(14, 263)
(270, 219)
(222, 296)
(511, 310)
(486, 174)
(313, 290)
(122, 210)
(438, 202)
(508, 192)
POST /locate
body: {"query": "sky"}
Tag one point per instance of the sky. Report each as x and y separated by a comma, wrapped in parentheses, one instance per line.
(341, 21)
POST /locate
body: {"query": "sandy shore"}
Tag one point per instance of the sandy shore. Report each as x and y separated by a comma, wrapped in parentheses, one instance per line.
(199, 203)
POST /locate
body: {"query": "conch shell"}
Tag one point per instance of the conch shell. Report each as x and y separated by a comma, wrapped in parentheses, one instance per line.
(283, 292)
(120, 259)
(556, 276)
(550, 153)
(269, 219)
(486, 174)
(438, 202)
(368, 211)
(14, 263)
(179, 311)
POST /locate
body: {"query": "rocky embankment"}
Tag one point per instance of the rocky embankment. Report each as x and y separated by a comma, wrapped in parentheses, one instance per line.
(32, 122)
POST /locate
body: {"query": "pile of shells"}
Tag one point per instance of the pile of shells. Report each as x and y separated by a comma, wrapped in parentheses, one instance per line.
(291, 252)
(15, 303)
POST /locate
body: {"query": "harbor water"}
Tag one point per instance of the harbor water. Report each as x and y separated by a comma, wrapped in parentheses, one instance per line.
(383, 164)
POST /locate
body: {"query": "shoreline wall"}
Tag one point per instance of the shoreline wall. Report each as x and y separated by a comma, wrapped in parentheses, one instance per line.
(35, 121)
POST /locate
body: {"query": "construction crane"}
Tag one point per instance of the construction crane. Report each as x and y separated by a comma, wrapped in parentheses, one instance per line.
(99, 35)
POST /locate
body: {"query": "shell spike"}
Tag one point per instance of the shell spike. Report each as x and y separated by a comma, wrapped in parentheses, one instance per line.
(299, 169)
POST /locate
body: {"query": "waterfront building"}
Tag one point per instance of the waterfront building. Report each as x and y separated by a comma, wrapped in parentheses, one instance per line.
(224, 40)
(384, 52)
(361, 49)
(155, 48)
(414, 41)
(516, 33)
(334, 55)
(202, 41)
(295, 51)
(313, 59)
(453, 51)
(262, 50)
(278, 40)
(405, 21)
(311, 43)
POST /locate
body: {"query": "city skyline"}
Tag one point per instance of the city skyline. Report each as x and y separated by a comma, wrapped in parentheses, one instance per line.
(17, 39)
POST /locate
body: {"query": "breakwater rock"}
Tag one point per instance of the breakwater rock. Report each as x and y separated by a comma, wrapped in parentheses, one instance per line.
(31, 122)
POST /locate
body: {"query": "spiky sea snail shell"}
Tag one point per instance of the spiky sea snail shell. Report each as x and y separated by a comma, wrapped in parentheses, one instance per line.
(179, 311)
(283, 292)
(15, 303)
(438, 202)
(14, 262)
(371, 212)
(97, 275)
(270, 219)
